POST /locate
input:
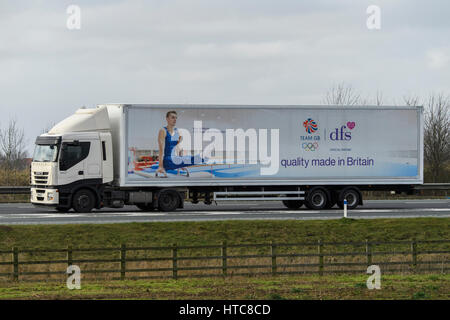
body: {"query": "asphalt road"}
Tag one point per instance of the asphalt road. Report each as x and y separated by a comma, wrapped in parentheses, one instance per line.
(25, 213)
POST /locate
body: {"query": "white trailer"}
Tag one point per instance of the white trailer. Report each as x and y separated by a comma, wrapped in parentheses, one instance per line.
(158, 156)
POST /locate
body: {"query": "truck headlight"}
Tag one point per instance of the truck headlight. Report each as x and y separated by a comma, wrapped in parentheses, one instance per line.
(50, 196)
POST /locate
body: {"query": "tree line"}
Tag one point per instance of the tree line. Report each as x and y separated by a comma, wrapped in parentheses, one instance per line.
(14, 169)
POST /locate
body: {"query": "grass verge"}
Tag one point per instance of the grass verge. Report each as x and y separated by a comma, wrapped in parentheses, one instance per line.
(415, 287)
(213, 232)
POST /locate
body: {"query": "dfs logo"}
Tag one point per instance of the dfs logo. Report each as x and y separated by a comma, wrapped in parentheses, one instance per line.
(340, 134)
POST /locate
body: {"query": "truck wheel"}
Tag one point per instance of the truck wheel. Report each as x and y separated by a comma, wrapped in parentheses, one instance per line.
(83, 201)
(293, 204)
(145, 207)
(316, 199)
(168, 200)
(352, 197)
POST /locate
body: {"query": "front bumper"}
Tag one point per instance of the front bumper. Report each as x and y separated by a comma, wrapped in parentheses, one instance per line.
(44, 196)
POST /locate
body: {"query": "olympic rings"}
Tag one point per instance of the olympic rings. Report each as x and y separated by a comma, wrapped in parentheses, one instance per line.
(310, 146)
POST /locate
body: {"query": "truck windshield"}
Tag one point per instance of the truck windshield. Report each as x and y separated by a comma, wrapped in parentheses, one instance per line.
(45, 153)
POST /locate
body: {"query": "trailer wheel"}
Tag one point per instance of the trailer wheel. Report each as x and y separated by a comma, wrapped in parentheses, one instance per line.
(83, 201)
(351, 195)
(293, 204)
(316, 199)
(168, 200)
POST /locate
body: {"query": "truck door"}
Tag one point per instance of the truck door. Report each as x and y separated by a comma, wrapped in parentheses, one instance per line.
(93, 163)
(71, 164)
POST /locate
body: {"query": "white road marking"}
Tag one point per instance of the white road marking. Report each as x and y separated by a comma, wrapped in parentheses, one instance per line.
(400, 210)
(424, 202)
(39, 215)
(107, 217)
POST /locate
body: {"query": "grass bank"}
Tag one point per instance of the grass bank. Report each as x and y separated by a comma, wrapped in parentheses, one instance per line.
(414, 287)
(213, 232)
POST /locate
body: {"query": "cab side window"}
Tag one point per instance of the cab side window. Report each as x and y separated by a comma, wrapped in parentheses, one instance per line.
(73, 153)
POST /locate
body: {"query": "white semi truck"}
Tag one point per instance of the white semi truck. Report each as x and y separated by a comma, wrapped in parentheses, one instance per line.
(159, 156)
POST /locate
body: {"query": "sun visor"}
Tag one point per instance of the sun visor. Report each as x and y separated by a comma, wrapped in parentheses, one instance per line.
(46, 140)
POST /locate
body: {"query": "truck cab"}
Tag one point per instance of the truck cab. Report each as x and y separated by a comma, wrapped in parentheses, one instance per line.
(72, 162)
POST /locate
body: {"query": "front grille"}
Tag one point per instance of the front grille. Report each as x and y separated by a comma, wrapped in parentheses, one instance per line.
(40, 177)
(40, 198)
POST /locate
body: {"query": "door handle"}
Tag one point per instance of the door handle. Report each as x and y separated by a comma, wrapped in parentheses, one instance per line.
(80, 173)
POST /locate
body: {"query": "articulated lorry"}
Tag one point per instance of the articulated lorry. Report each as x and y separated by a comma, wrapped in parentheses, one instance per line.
(159, 156)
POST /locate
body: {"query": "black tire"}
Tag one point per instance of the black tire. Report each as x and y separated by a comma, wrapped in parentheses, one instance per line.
(316, 199)
(293, 204)
(352, 196)
(145, 207)
(168, 200)
(83, 201)
(62, 210)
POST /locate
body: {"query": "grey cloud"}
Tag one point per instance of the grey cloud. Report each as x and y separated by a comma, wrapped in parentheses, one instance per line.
(165, 51)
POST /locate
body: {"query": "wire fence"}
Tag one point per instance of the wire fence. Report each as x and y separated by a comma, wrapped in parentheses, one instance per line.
(157, 262)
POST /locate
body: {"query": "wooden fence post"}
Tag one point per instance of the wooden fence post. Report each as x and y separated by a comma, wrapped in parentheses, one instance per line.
(414, 253)
(224, 258)
(273, 252)
(369, 252)
(320, 251)
(69, 256)
(174, 262)
(15, 258)
(123, 261)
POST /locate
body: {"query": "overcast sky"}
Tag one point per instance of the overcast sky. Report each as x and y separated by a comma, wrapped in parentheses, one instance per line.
(213, 51)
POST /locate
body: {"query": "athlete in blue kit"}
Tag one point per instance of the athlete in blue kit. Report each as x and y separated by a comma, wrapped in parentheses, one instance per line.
(169, 140)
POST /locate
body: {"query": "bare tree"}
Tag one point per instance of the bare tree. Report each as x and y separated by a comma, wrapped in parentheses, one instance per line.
(379, 98)
(12, 146)
(343, 94)
(437, 134)
(411, 100)
(47, 127)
